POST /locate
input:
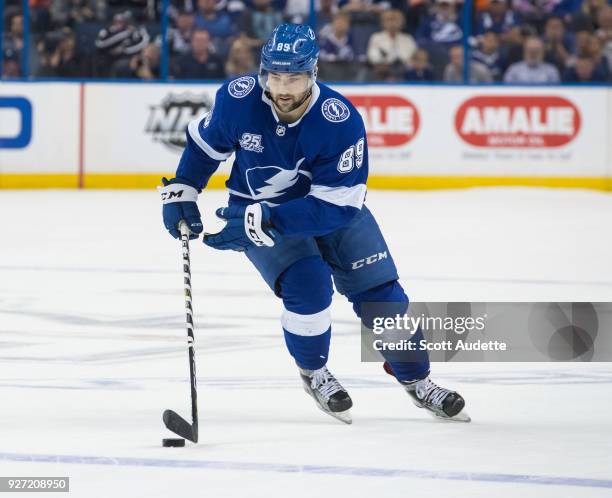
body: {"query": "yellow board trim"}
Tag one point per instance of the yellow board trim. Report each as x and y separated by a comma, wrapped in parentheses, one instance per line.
(144, 180)
(39, 180)
(456, 182)
(151, 180)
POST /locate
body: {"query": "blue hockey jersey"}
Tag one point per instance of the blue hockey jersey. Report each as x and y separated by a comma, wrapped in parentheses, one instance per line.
(311, 172)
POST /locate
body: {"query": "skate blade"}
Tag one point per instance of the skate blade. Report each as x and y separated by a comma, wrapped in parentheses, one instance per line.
(462, 416)
(344, 416)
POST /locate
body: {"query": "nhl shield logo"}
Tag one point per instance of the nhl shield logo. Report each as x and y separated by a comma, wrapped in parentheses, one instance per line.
(280, 130)
(168, 120)
(335, 110)
(241, 87)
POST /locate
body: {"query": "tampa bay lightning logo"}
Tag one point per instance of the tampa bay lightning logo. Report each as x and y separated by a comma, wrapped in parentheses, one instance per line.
(266, 182)
(335, 110)
(241, 87)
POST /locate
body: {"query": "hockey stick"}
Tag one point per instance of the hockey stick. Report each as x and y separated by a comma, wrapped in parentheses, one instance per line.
(173, 420)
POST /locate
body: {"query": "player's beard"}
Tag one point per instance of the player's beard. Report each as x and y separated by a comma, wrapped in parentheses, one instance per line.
(291, 103)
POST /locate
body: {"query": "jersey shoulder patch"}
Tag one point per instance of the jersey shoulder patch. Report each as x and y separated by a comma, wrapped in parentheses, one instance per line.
(335, 110)
(241, 87)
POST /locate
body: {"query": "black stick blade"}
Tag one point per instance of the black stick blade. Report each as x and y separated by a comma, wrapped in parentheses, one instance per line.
(180, 426)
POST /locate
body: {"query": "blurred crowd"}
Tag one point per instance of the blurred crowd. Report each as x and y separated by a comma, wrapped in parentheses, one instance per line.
(513, 41)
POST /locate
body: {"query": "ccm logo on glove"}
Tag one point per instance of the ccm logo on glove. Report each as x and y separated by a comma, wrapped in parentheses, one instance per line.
(179, 204)
(169, 195)
(178, 192)
(253, 226)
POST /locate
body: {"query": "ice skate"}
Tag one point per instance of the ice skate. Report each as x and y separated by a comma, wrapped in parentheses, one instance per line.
(438, 401)
(328, 393)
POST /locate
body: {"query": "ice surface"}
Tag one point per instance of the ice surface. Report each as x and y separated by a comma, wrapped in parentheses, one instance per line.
(92, 350)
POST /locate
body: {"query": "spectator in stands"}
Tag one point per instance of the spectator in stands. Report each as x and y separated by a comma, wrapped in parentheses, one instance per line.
(512, 42)
(596, 52)
(604, 32)
(73, 12)
(13, 40)
(419, 68)
(119, 42)
(337, 60)
(58, 55)
(441, 26)
(40, 16)
(582, 42)
(180, 36)
(604, 23)
(453, 73)
(588, 45)
(365, 21)
(558, 45)
(325, 13)
(390, 50)
(335, 40)
(278, 5)
(534, 12)
(235, 8)
(240, 59)
(142, 66)
(217, 22)
(364, 6)
(585, 19)
(297, 11)
(497, 18)
(489, 55)
(142, 10)
(257, 23)
(200, 62)
(177, 6)
(565, 8)
(584, 70)
(532, 69)
(414, 11)
(10, 64)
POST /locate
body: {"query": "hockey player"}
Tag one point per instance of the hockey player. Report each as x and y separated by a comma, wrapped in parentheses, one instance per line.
(296, 208)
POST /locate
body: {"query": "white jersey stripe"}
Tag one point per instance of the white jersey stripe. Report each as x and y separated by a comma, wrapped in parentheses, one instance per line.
(194, 133)
(340, 196)
(239, 194)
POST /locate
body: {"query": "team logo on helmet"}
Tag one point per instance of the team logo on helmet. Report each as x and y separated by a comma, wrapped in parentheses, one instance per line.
(241, 87)
(335, 110)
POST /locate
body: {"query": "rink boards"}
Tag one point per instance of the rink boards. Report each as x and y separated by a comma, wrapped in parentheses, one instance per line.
(127, 135)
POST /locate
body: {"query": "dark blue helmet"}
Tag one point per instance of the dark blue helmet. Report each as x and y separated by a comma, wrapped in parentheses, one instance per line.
(292, 48)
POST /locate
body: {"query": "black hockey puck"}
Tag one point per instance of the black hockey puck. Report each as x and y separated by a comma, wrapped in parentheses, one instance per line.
(173, 443)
